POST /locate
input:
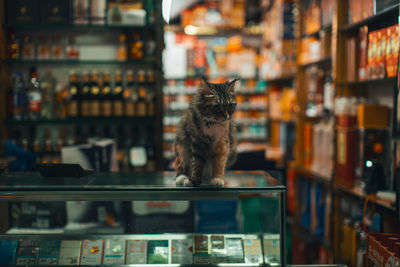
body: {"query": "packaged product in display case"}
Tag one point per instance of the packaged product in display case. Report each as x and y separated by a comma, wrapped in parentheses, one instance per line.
(253, 199)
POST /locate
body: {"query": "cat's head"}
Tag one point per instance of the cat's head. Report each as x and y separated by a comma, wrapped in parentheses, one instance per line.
(216, 101)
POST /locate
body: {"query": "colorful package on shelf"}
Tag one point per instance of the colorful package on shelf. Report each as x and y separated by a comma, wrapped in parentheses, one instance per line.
(380, 71)
(49, 252)
(70, 252)
(355, 11)
(367, 8)
(392, 50)
(384, 249)
(362, 53)
(346, 141)
(182, 251)
(158, 252)
(8, 249)
(114, 252)
(372, 54)
(136, 252)
(129, 13)
(92, 252)
(312, 17)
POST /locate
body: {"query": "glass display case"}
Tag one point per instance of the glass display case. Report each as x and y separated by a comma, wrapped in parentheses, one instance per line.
(141, 218)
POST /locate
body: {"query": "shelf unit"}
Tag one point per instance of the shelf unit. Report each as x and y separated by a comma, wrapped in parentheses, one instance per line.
(152, 62)
(336, 63)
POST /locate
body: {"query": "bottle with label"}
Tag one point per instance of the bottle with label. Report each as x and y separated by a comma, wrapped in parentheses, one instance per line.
(94, 95)
(150, 76)
(141, 76)
(28, 48)
(72, 50)
(74, 94)
(34, 96)
(137, 153)
(48, 86)
(142, 102)
(19, 98)
(85, 96)
(122, 51)
(14, 48)
(43, 49)
(136, 49)
(130, 95)
(117, 94)
(150, 44)
(105, 104)
(57, 48)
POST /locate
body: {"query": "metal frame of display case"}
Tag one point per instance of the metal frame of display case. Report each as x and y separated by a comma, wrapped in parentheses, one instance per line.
(139, 186)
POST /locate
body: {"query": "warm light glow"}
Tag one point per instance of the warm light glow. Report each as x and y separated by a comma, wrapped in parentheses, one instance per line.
(194, 30)
(166, 10)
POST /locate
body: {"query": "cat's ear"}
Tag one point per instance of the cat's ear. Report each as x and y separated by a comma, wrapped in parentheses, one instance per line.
(204, 88)
(231, 85)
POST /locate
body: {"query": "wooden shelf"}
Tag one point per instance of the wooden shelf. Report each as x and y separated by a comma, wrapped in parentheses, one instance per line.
(357, 192)
(213, 31)
(146, 61)
(309, 174)
(384, 18)
(83, 121)
(325, 62)
(369, 82)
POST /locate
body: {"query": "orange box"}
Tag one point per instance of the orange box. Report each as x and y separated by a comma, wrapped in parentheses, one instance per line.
(362, 53)
(367, 8)
(371, 58)
(383, 249)
(381, 54)
(392, 50)
(373, 116)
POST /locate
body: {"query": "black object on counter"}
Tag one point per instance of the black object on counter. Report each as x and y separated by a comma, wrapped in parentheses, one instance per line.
(62, 170)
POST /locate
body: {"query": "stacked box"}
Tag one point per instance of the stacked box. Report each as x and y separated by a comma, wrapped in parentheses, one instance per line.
(158, 252)
(8, 249)
(181, 251)
(114, 252)
(70, 252)
(49, 252)
(252, 251)
(27, 252)
(136, 252)
(392, 50)
(92, 252)
(201, 253)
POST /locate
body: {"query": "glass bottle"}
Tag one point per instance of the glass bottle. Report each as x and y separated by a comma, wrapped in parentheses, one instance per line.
(48, 86)
(14, 49)
(122, 53)
(57, 48)
(136, 49)
(28, 48)
(85, 96)
(74, 94)
(105, 104)
(34, 96)
(43, 49)
(72, 50)
(19, 97)
(130, 95)
(94, 95)
(142, 102)
(117, 92)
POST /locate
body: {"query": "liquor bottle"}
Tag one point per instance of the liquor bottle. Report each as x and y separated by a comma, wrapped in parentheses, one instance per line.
(72, 50)
(138, 153)
(19, 98)
(142, 102)
(48, 146)
(150, 44)
(94, 95)
(85, 97)
(105, 104)
(136, 49)
(74, 94)
(14, 49)
(150, 76)
(48, 88)
(117, 93)
(57, 48)
(81, 10)
(43, 49)
(122, 53)
(28, 48)
(151, 102)
(130, 95)
(141, 76)
(34, 96)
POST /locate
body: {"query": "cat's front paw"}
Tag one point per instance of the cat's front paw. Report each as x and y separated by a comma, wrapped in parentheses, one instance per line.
(180, 179)
(217, 182)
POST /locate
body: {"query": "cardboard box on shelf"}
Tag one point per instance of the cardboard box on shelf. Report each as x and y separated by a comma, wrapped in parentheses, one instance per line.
(362, 53)
(384, 249)
(392, 50)
(373, 116)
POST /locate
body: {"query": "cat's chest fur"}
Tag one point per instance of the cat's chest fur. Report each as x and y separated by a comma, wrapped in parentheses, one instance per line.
(217, 132)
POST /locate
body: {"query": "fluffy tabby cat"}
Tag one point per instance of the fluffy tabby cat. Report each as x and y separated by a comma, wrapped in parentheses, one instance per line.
(206, 138)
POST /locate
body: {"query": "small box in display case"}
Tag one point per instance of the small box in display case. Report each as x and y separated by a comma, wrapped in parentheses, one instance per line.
(92, 252)
(52, 11)
(114, 252)
(22, 11)
(136, 252)
(70, 252)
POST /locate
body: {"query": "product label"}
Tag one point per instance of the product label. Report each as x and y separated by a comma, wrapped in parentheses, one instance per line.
(181, 251)
(341, 147)
(35, 102)
(129, 109)
(95, 108)
(136, 252)
(118, 108)
(92, 251)
(73, 108)
(105, 108)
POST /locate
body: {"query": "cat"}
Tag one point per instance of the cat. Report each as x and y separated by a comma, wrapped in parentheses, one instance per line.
(205, 143)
